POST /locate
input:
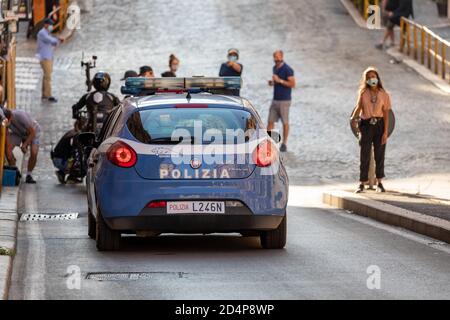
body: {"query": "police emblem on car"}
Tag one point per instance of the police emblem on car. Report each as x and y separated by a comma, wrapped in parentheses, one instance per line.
(196, 163)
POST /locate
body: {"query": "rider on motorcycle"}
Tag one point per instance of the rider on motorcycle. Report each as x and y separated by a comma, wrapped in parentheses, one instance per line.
(99, 103)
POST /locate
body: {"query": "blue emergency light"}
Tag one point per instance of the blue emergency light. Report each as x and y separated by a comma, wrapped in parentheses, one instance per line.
(142, 86)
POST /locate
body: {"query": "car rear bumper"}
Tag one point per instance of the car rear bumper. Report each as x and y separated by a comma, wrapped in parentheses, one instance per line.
(190, 223)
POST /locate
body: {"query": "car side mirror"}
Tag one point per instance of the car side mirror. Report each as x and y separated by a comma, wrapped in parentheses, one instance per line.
(275, 135)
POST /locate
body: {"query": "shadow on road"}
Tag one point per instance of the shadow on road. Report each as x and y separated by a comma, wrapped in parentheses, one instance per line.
(173, 244)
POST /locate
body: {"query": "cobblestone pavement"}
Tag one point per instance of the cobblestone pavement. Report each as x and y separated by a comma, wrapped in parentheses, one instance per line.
(321, 43)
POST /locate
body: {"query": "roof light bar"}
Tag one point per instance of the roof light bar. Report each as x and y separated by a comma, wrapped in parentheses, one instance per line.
(138, 86)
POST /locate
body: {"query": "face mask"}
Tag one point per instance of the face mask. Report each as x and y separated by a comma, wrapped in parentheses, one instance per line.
(232, 58)
(373, 82)
(50, 29)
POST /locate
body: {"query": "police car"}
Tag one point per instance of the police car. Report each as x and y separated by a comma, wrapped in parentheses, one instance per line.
(179, 155)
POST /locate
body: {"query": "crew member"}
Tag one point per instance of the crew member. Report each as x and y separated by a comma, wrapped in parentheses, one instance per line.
(99, 103)
(46, 45)
(23, 132)
(62, 155)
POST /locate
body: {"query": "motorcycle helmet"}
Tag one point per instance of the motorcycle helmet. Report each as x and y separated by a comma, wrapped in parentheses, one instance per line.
(101, 81)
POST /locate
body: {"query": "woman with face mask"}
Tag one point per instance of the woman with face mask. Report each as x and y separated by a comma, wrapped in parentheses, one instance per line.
(174, 63)
(372, 115)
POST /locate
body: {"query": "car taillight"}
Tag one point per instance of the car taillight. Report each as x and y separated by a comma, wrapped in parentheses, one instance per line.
(157, 204)
(265, 154)
(122, 155)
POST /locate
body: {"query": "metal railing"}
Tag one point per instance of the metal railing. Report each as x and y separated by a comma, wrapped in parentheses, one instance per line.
(8, 79)
(363, 6)
(425, 47)
(2, 151)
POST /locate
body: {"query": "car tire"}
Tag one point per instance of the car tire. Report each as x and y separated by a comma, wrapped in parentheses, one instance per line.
(275, 239)
(92, 226)
(107, 239)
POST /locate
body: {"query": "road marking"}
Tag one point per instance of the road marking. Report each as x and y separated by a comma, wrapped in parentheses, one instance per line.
(49, 217)
(28, 73)
(34, 282)
(410, 235)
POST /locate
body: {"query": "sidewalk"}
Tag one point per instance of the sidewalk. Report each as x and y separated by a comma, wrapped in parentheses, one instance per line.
(424, 214)
(8, 231)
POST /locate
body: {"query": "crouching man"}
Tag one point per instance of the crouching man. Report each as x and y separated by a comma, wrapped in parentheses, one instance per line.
(63, 155)
(23, 132)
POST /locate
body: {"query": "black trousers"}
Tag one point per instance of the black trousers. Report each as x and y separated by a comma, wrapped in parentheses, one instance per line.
(372, 135)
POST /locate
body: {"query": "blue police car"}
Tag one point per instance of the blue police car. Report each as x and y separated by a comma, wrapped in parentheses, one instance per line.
(179, 155)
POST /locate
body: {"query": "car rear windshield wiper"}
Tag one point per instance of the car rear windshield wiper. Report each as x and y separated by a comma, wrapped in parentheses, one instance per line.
(169, 140)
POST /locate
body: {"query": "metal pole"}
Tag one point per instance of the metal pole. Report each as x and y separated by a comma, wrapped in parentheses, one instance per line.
(444, 60)
(422, 46)
(415, 43)
(436, 53)
(429, 50)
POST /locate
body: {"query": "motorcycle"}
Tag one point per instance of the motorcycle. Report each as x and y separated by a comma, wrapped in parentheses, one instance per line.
(90, 126)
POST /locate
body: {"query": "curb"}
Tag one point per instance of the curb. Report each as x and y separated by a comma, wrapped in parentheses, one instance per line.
(354, 13)
(417, 222)
(9, 222)
(420, 69)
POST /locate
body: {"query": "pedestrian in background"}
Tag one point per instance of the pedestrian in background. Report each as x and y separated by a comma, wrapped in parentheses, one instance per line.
(146, 72)
(129, 74)
(394, 11)
(232, 68)
(373, 108)
(46, 45)
(283, 81)
(23, 132)
(174, 64)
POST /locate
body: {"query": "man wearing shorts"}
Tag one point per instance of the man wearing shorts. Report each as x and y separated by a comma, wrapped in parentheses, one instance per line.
(394, 10)
(23, 132)
(283, 81)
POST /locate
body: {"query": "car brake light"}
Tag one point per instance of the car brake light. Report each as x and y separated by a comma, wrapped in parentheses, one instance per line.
(265, 154)
(157, 204)
(191, 106)
(122, 155)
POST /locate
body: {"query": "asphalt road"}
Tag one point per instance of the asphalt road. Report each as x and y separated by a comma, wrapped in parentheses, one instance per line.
(328, 251)
(327, 257)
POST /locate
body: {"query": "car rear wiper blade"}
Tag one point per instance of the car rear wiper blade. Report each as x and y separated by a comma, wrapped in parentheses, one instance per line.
(170, 140)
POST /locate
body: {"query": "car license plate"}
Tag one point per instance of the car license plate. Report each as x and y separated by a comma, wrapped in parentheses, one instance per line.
(181, 207)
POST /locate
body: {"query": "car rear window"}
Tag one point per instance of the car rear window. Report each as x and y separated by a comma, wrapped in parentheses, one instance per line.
(191, 125)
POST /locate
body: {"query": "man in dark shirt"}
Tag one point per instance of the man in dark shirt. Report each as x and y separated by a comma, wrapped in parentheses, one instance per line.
(232, 68)
(394, 11)
(283, 81)
(62, 154)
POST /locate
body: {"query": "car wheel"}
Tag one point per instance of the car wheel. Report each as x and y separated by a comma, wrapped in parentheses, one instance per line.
(92, 226)
(107, 239)
(275, 239)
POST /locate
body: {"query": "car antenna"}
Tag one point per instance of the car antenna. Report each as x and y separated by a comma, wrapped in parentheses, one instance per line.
(189, 97)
